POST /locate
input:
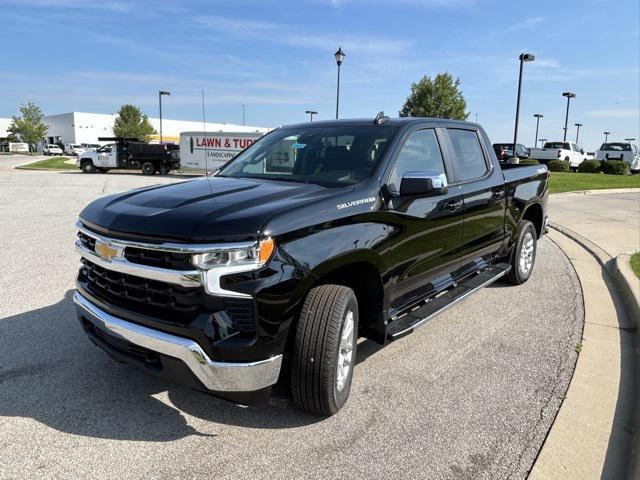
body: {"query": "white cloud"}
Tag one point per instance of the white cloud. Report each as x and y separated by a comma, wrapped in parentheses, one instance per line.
(614, 113)
(416, 3)
(277, 33)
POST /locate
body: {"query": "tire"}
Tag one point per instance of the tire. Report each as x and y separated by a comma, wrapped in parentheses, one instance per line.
(148, 168)
(321, 363)
(88, 167)
(522, 262)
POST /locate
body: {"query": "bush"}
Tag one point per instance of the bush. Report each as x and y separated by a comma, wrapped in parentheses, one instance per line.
(558, 166)
(589, 166)
(616, 167)
(529, 161)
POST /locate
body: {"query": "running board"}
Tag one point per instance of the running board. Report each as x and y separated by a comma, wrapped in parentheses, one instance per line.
(421, 315)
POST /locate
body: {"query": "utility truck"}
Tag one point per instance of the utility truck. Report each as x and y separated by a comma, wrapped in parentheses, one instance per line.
(130, 153)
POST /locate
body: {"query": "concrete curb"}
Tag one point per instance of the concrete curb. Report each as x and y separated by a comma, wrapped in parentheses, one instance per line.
(593, 435)
(629, 285)
(603, 191)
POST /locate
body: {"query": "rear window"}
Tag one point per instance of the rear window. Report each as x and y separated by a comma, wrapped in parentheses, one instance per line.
(616, 147)
(469, 155)
(560, 145)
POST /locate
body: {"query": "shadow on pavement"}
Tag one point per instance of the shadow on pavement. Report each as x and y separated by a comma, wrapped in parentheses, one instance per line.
(619, 461)
(50, 372)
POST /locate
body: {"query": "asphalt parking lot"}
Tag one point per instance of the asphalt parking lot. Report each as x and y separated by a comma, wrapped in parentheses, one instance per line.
(471, 394)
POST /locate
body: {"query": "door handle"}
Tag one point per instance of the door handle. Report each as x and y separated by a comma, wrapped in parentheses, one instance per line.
(497, 194)
(453, 205)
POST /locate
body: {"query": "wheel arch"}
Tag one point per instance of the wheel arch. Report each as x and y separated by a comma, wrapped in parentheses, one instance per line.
(535, 215)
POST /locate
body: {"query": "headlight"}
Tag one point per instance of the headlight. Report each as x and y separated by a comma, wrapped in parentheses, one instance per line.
(255, 256)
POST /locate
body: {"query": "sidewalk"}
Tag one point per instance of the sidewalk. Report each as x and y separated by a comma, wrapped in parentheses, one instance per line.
(595, 432)
(610, 219)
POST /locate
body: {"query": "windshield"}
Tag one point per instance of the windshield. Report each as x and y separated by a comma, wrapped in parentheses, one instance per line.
(328, 156)
(106, 148)
(616, 147)
(560, 145)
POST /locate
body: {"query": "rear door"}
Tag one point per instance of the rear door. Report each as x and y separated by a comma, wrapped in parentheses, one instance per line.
(483, 190)
(427, 228)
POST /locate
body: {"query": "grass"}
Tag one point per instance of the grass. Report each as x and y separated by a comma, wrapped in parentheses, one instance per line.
(55, 163)
(635, 263)
(571, 182)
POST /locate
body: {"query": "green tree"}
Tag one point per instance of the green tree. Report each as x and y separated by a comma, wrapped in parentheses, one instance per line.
(28, 125)
(132, 123)
(440, 98)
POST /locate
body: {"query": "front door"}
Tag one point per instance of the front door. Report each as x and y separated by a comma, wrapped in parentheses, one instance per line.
(427, 228)
(107, 156)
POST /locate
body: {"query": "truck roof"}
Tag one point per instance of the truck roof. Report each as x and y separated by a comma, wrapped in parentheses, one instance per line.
(365, 122)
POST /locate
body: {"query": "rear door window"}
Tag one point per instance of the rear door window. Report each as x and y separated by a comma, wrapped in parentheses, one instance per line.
(470, 158)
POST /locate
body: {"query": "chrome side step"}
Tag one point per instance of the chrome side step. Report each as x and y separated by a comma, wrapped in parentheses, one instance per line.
(414, 319)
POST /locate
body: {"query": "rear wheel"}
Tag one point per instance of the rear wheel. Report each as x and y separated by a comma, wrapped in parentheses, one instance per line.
(324, 349)
(88, 166)
(148, 168)
(523, 255)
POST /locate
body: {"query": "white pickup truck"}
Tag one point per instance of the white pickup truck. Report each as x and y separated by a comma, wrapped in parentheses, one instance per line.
(570, 152)
(627, 152)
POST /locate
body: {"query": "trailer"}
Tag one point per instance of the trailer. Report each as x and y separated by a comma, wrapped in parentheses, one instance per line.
(208, 151)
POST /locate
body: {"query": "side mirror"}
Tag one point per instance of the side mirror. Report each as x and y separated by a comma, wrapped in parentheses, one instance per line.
(582, 151)
(423, 184)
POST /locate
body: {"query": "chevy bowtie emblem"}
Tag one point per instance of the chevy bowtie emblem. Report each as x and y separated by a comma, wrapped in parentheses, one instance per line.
(106, 251)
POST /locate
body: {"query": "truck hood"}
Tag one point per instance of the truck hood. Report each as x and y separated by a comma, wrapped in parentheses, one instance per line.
(215, 209)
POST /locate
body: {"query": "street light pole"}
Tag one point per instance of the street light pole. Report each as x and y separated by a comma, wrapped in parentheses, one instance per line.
(569, 96)
(629, 140)
(524, 57)
(243, 107)
(577, 130)
(542, 140)
(538, 117)
(160, 94)
(606, 136)
(311, 114)
(339, 56)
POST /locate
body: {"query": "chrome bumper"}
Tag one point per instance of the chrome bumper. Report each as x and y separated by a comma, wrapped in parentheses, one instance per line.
(216, 376)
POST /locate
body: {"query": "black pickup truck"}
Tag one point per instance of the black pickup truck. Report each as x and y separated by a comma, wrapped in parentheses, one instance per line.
(316, 235)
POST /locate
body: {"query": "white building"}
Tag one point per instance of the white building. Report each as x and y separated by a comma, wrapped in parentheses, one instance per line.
(81, 127)
(4, 125)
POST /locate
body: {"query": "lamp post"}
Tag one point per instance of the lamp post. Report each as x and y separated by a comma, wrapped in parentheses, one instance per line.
(629, 140)
(542, 140)
(524, 57)
(578, 125)
(339, 58)
(243, 108)
(311, 114)
(538, 117)
(160, 94)
(569, 96)
(606, 136)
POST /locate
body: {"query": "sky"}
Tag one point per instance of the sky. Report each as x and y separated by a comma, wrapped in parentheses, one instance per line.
(276, 57)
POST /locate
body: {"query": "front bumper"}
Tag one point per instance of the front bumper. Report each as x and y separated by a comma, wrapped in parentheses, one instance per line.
(215, 376)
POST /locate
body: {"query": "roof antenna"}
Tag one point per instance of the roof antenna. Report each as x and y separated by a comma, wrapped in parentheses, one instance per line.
(204, 140)
(380, 118)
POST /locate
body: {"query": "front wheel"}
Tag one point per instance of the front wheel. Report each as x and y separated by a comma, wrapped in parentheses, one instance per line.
(523, 255)
(88, 167)
(324, 349)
